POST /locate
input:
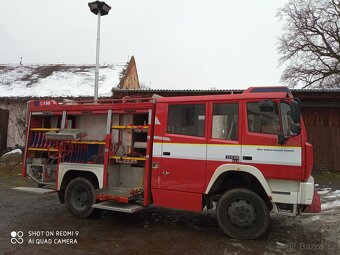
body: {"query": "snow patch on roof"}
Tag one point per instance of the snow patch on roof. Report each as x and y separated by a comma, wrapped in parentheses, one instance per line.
(57, 80)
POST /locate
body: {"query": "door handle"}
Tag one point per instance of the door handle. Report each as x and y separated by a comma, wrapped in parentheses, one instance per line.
(166, 153)
(247, 158)
(165, 173)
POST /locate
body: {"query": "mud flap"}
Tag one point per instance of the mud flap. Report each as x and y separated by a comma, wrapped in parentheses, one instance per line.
(315, 207)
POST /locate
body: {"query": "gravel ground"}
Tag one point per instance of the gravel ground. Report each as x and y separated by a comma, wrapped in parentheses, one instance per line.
(48, 228)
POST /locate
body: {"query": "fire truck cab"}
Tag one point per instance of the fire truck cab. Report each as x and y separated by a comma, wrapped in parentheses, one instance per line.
(245, 155)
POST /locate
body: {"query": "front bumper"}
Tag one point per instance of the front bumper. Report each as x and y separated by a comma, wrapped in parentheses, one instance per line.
(306, 192)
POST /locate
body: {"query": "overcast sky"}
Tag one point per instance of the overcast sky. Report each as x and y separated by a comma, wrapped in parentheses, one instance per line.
(191, 44)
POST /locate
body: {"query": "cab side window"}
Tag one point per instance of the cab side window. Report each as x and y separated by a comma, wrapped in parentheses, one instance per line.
(187, 119)
(263, 121)
(225, 121)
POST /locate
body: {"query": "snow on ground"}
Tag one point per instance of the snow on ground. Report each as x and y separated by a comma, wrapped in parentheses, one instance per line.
(324, 191)
(57, 80)
(334, 194)
(329, 199)
(13, 152)
(330, 205)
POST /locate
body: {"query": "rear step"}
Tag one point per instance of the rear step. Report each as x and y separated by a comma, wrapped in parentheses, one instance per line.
(118, 207)
(34, 190)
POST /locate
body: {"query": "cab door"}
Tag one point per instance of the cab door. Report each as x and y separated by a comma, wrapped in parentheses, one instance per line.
(260, 147)
(184, 152)
(182, 172)
(224, 144)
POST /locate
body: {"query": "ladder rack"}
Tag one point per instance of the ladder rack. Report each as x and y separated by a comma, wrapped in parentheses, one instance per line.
(109, 101)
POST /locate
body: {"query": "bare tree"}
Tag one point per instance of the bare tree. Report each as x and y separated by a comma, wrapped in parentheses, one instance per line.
(310, 44)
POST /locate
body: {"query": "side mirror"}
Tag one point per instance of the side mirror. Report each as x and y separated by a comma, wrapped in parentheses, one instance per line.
(296, 128)
(295, 111)
(266, 106)
(281, 139)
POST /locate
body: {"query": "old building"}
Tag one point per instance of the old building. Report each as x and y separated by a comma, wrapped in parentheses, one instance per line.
(20, 83)
(3, 129)
(129, 76)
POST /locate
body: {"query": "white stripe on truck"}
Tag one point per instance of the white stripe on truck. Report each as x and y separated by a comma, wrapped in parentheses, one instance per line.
(277, 155)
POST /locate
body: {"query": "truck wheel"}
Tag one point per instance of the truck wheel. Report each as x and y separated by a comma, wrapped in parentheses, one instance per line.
(79, 197)
(242, 214)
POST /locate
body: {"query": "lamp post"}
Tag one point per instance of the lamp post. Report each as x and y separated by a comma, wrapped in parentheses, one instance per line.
(100, 9)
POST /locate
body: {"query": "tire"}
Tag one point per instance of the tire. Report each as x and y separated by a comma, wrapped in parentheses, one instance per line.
(243, 214)
(79, 197)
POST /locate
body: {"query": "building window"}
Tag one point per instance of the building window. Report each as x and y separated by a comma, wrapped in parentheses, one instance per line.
(188, 119)
(264, 121)
(225, 121)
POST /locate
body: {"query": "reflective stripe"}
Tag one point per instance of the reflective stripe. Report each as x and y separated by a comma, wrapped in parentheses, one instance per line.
(157, 150)
(277, 155)
(223, 152)
(185, 151)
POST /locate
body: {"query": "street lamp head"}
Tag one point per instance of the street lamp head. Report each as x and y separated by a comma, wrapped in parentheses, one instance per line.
(99, 7)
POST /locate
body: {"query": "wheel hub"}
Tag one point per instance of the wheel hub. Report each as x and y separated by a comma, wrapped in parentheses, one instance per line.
(242, 213)
(80, 197)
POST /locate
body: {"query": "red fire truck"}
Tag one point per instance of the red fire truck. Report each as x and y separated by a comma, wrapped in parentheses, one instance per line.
(245, 155)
